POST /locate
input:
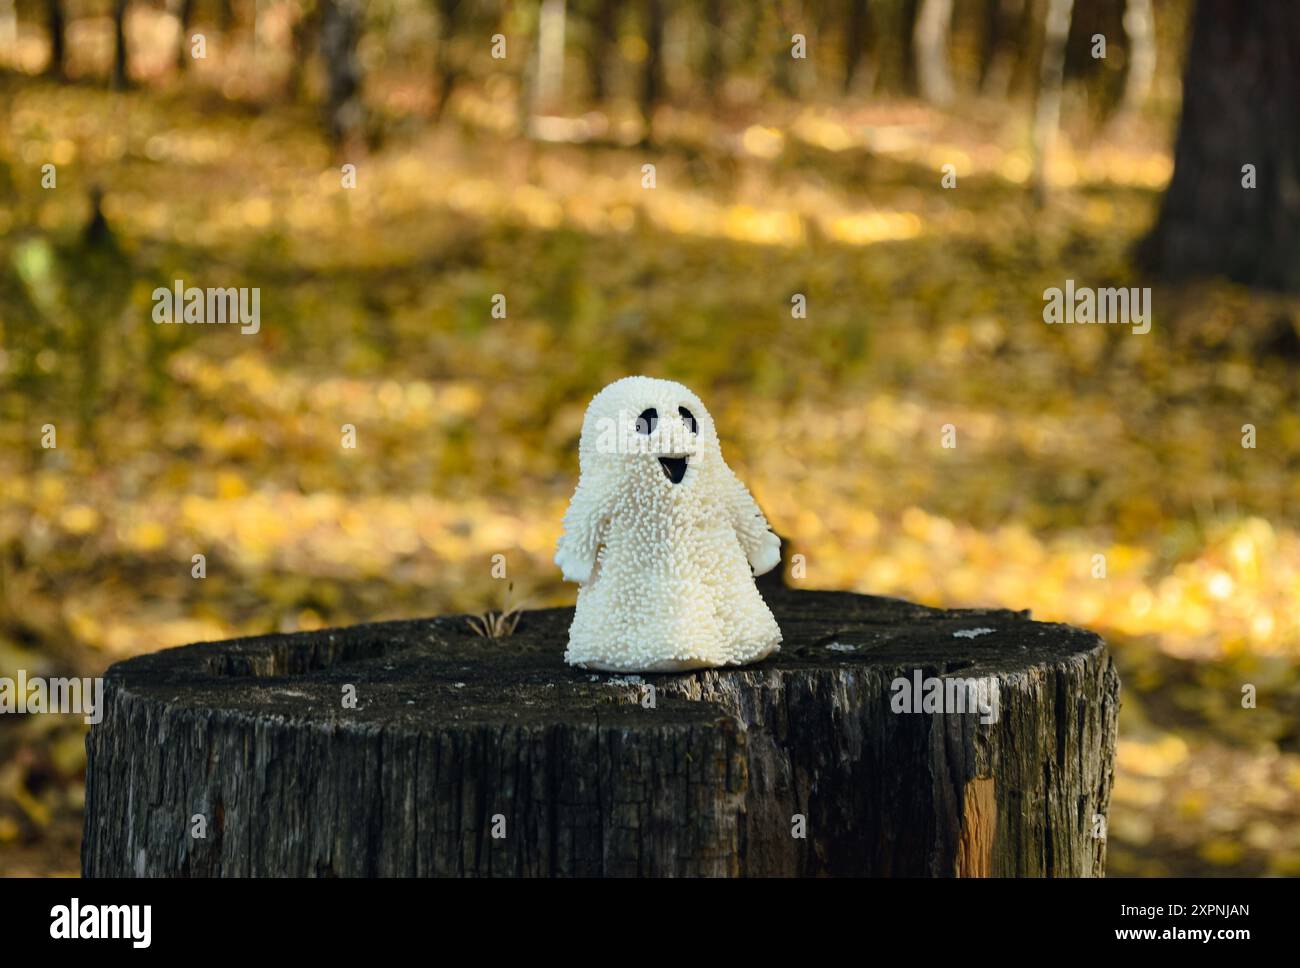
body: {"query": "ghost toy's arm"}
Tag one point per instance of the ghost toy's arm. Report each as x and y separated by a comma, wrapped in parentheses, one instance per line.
(584, 525)
(761, 546)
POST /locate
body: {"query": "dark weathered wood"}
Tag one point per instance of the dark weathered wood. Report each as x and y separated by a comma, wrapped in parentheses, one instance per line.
(451, 730)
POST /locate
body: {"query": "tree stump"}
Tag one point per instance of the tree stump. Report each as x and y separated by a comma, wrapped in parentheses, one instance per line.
(472, 756)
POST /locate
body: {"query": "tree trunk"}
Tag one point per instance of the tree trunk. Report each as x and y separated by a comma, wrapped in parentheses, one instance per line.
(121, 69)
(933, 28)
(1047, 112)
(306, 25)
(652, 75)
(8, 30)
(470, 756)
(855, 40)
(445, 63)
(550, 57)
(602, 43)
(1026, 62)
(714, 67)
(57, 24)
(998, 44)
(339, 32)
(1097, 78)
(1140, 29)
(790, 15)
(1240, 92)
(908, 12)
(184, 16)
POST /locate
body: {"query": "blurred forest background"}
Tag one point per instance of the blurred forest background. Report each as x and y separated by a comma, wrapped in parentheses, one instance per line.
(775, 175)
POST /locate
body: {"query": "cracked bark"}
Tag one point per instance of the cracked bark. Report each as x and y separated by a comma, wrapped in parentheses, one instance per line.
(451, 730)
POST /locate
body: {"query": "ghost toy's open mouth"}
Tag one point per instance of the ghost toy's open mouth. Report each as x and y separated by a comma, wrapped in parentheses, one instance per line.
(674, 467)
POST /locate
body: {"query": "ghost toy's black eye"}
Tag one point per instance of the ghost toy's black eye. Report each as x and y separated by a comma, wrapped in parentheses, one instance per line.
(689, 418)
(646, 423)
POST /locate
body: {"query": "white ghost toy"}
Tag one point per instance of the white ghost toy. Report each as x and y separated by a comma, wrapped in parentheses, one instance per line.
(663, 539)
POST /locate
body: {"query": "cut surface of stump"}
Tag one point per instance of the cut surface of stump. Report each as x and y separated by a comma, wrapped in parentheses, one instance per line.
(464, 755)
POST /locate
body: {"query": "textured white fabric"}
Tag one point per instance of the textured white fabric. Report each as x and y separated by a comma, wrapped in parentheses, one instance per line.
(664, 569)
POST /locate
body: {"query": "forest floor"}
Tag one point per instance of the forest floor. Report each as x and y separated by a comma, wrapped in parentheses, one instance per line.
(924, 309)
